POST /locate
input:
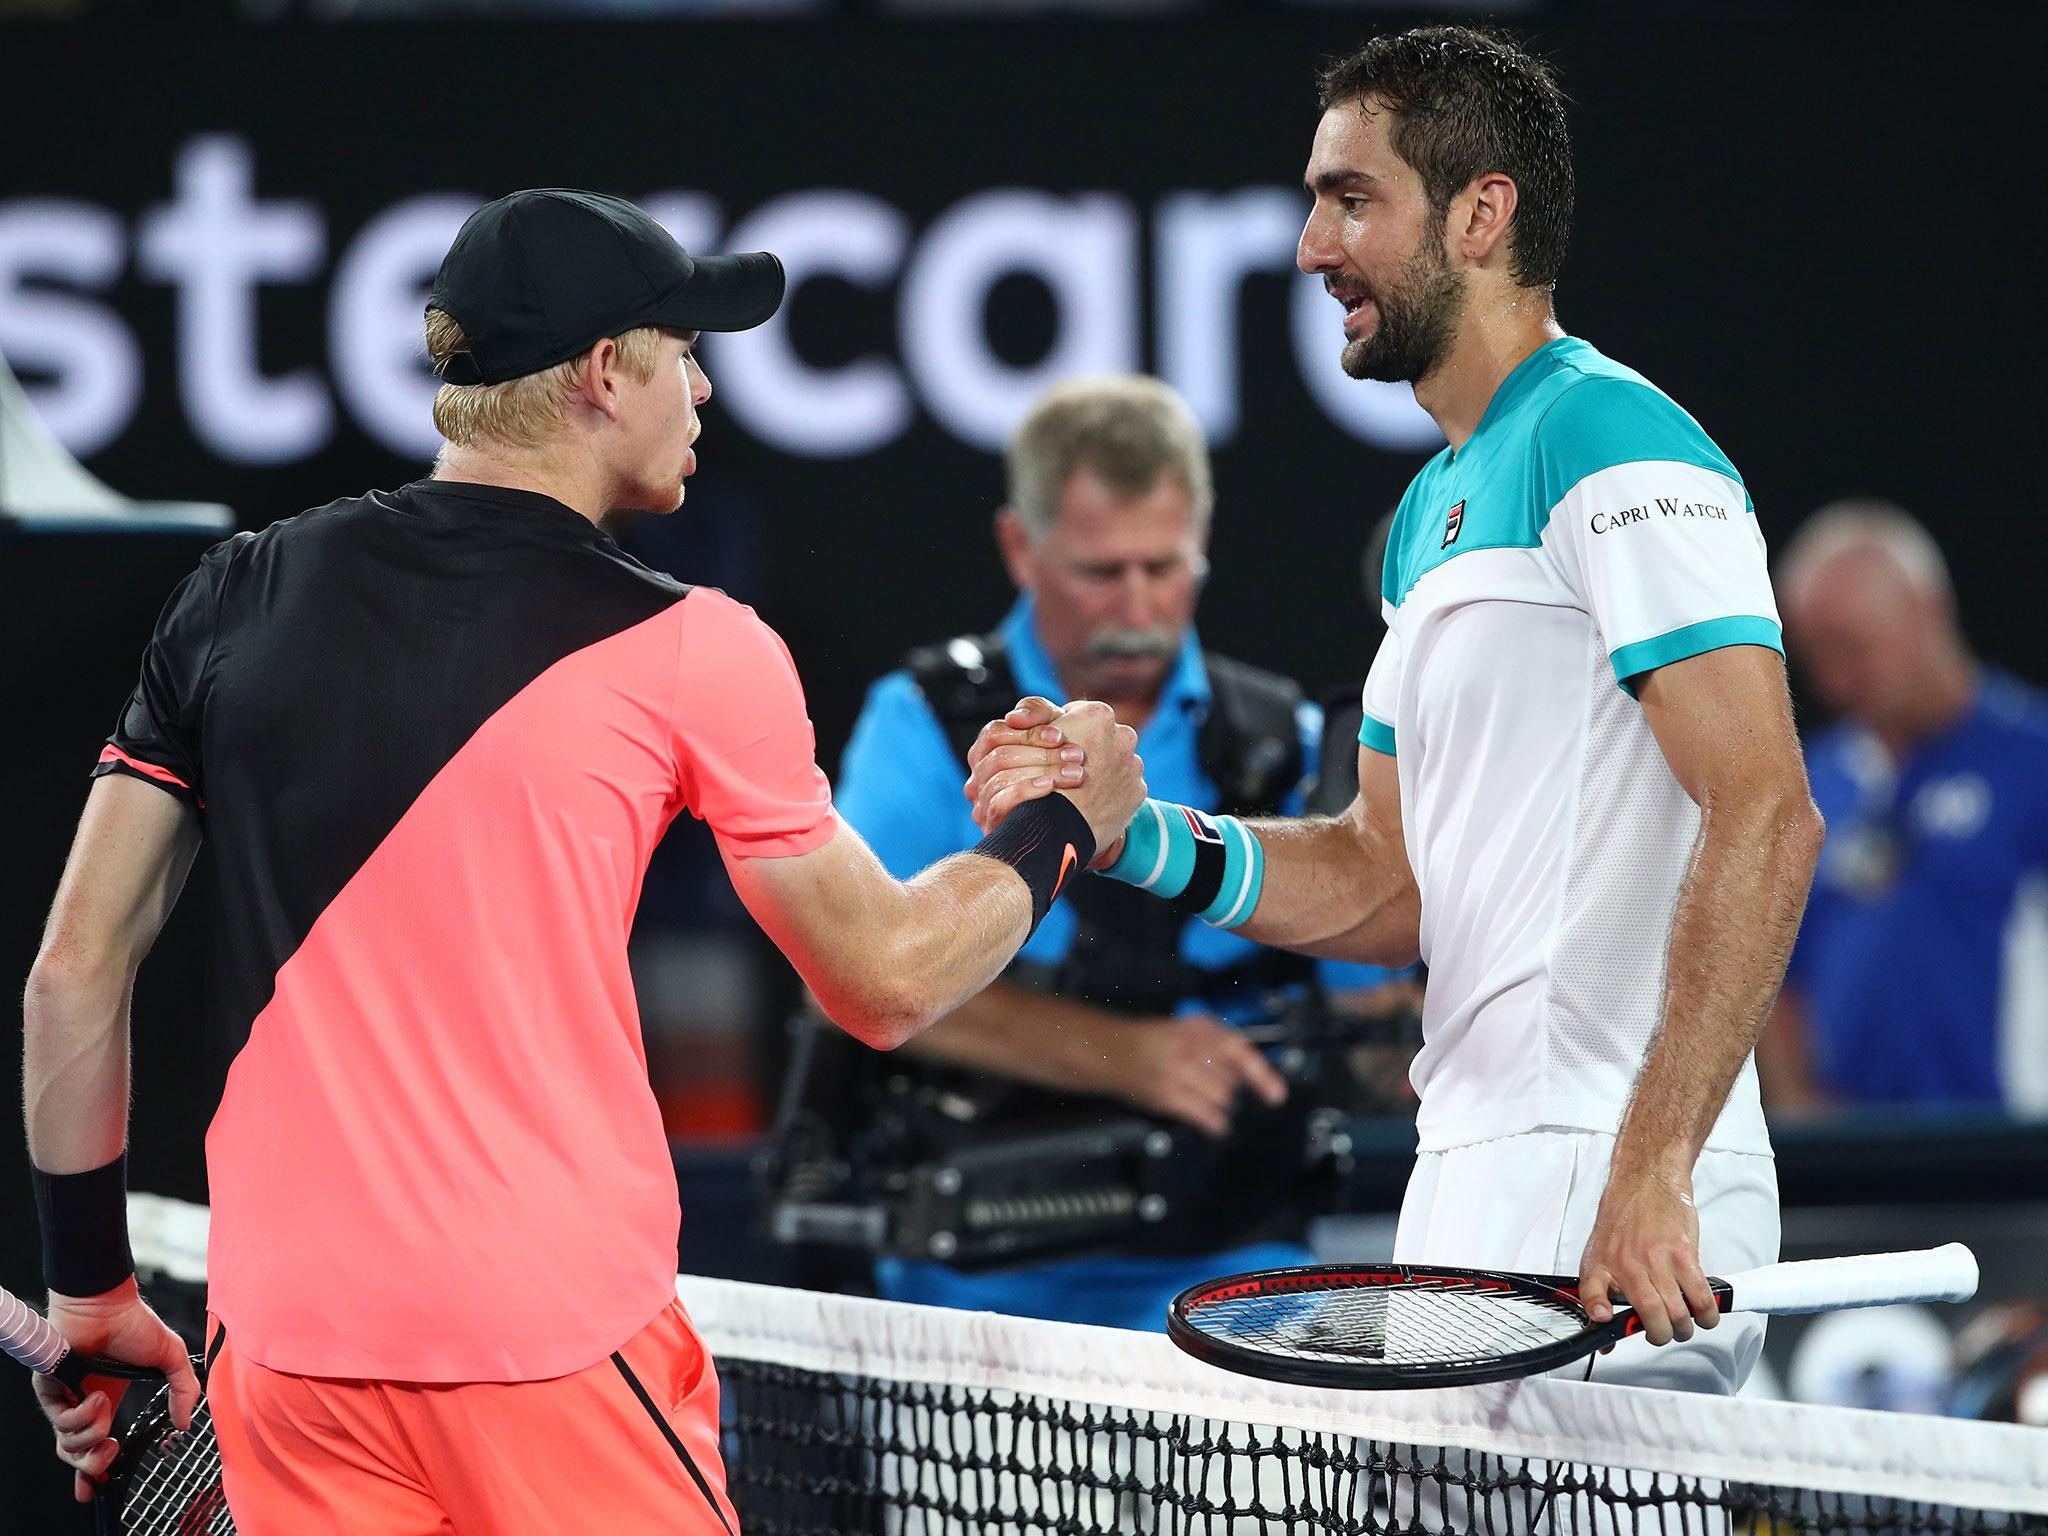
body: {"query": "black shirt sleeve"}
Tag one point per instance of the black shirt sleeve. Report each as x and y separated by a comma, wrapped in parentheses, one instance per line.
(157, 739)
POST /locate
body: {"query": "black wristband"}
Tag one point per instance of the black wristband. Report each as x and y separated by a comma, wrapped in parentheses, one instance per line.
(1045, 842)
(84, 1217)
(1206, 879)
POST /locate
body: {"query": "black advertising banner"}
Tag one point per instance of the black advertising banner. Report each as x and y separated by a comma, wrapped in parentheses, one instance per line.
(211, 279)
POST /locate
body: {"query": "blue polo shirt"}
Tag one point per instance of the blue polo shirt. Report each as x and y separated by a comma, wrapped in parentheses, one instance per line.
(1923, 960)
(899, 787)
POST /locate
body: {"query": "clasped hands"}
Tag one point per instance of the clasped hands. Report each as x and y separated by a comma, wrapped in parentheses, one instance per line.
(1040, 748)
(1191, 1068)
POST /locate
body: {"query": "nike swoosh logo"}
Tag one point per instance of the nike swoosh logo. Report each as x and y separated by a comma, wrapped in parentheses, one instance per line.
(1067, 862)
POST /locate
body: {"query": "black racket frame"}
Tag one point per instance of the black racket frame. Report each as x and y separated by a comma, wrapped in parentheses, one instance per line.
(142, 1396)
(1359, 1375)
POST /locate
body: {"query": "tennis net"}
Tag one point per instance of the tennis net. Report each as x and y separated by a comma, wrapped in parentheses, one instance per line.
(846, 1415)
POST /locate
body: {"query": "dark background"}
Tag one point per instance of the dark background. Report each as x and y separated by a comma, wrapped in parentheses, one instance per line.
(1804, 222)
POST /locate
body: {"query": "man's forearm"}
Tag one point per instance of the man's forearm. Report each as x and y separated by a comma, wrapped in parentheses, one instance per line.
(75, 1064)
(1337, 889)
(1051, 1041)
(1738, 911)
(944, 936)
(134, 847)
(887, 958)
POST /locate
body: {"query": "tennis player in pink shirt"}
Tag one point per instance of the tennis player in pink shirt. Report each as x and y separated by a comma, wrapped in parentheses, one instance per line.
(434, 735)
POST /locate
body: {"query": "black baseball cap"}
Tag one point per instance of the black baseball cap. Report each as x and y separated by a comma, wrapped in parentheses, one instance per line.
(540, 276)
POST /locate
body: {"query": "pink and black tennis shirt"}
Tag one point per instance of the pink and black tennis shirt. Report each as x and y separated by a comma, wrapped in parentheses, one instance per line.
(434, 735)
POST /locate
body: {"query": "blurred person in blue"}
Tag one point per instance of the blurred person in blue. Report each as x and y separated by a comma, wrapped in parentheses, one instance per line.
(1117, 997)
(1920, 976)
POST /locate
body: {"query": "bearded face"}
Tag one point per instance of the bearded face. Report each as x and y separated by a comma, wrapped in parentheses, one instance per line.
(1377, 240)
(1419, 305)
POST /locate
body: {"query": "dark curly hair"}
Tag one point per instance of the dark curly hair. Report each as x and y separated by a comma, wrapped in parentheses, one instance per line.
(1465, 102)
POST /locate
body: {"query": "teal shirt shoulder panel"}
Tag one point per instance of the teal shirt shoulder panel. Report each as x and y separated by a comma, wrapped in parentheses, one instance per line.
(1565, 413)
(1612, 416)
(1394, 582)
(1477, 499)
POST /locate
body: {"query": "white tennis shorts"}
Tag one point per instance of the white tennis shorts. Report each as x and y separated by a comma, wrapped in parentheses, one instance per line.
(1527, 1203)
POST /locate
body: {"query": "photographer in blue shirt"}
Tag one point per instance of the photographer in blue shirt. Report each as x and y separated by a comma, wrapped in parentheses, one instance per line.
(1920, 976)
(1115, 997)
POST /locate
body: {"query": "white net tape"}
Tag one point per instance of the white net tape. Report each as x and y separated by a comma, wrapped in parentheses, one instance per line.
(1899, 1456)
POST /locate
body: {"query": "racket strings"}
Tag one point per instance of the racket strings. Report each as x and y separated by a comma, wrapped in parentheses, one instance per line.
(173, 1483)
(1419, 1325)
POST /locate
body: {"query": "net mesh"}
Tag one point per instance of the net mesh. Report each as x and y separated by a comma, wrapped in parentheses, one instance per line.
(844, 1415)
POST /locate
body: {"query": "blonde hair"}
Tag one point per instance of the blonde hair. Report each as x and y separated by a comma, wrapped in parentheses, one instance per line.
(1127, 430)
(521, 412)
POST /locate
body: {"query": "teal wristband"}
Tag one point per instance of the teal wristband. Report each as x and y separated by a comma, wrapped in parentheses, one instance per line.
(1210, 866)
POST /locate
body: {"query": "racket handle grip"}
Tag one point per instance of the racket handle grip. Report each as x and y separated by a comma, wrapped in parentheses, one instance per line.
(27, 1335)
(1947, 1273)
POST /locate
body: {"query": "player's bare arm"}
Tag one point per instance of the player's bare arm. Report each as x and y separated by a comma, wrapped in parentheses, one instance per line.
(1724, 723)
(129, 859)
(133, 849)
(1337, 887)
(1189, 1068)
(885, 958)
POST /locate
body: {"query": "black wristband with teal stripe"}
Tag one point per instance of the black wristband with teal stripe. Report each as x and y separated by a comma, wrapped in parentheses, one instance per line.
(1047, 842)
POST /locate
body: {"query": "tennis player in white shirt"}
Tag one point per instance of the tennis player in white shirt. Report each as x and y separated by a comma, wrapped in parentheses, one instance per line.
(1582, 798)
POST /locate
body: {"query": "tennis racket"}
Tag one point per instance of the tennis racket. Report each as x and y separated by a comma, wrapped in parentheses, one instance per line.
(164, 1482)
(1421, 1325)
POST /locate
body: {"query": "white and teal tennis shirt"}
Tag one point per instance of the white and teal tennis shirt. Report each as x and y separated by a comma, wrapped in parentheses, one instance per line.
(1588, 533)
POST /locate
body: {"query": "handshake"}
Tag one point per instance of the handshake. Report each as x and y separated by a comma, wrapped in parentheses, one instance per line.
(1038, 749)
